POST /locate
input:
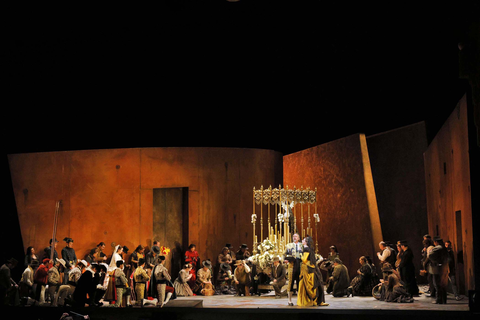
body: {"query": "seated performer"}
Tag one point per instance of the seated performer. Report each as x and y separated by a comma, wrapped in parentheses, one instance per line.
(395, 291)
(293, 255)
(204, 278)
(279, 277)
(55, 279)
(310, 288)
(67, 290)
(162, 281)
(182, 288)
(340, 278)
(26, 282)
(85, 288)
(241, 276)
(224, 279)
(364, 282)
(141, 277)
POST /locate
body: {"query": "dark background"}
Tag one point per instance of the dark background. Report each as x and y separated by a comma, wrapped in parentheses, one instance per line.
(214, 73)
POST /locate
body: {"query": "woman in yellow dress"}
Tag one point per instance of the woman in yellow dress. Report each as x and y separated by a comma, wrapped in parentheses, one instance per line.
(310, 289)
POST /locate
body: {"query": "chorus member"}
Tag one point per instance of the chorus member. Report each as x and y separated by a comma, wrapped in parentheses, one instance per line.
(231, 253)
(204, 277)
(225, 279)
(439, 266)
(67, 290)
(362, 284)
(70, 257)
(40, 278)
(293, 256)
(137, 255)
(47, 252)
(192, 258)
(241, 277)
(26, 282)
(55, 279)
(224, 256)
(386, 254)
(407, 269)
(162, 279)
(279, 274)
(30, 256)
(8, 287)
(99, 253)
(395, 291)
(243, 253)
(399, 254)
(141, 277)
(181, 286)
(310, 289)
(121, 284)
(86, 286)
(452, 268)
(152, 257)
(340, 278)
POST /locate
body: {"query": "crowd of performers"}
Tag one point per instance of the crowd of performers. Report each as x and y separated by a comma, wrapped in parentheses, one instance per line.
(100, 280)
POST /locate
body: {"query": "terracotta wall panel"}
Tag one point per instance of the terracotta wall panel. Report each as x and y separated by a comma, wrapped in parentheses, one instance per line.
(336, 169)
(107, 195)
(447, 176)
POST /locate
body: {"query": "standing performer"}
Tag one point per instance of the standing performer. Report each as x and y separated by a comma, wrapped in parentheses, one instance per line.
(279, 277)
(48, 250)
(293, 256)
(407, 269)
(310, 289)
(192, 258)
(68, 254)
(141, 277)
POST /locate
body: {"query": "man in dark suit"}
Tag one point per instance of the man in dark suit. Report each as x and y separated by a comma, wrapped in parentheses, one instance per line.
(279, 276)
(439, 263)
(407, 269)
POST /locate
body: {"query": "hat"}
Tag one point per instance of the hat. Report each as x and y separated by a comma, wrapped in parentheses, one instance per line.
(102, 266)
(62, 262)
(437, 239)
(156, 249)
(45, 261)
(228, 245)
(125, 249)
(207, 263)
(244, 246)
(85, 263)
(225, 266)
(67, 240)
(161, 258)
(55, 240)
(276, 258)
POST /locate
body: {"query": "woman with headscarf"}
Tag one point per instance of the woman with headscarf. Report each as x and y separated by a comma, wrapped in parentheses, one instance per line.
(310, 288)
(111, 293)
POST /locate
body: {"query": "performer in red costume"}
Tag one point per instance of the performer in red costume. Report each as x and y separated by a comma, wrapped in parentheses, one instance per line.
(191, 257)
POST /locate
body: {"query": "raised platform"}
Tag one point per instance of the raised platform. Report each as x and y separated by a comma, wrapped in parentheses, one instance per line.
(266, 307)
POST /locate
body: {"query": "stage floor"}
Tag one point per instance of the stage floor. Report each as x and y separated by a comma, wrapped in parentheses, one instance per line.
(268, 301)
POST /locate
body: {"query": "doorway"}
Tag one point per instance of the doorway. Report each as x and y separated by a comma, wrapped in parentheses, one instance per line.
(170, 224)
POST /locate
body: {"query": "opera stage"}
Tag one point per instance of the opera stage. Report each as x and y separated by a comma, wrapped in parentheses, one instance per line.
(267, 307)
